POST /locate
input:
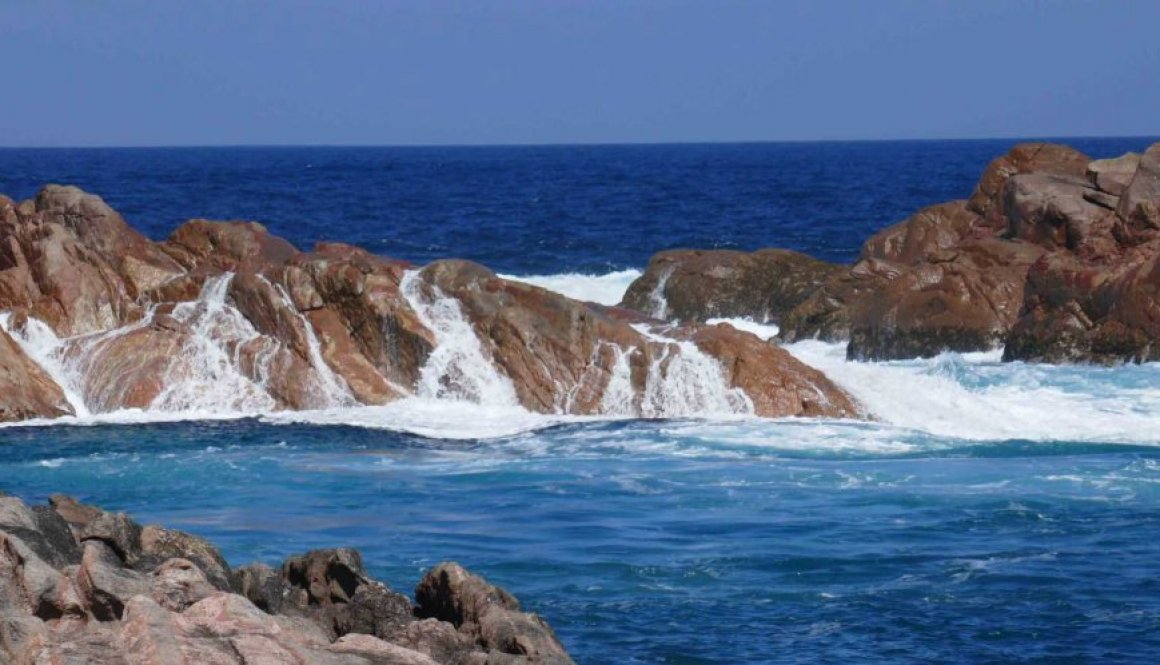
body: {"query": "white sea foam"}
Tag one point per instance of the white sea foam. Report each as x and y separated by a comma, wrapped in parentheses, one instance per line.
(606, 289)
(917, 404)
(765, 331)
(975, 396)
(458, 368)
(434, 418)
(684, 381)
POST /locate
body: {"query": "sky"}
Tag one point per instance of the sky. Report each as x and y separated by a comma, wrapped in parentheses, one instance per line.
(303, 72)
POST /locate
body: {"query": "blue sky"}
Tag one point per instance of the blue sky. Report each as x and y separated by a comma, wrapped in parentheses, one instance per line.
(90, 72)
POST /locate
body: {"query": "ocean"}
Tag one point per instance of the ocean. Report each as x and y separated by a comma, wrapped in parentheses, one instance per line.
(991, 513)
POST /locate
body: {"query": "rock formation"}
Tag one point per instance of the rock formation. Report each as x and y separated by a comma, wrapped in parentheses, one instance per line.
(82, 585)
(1053, 255)
(224, 316)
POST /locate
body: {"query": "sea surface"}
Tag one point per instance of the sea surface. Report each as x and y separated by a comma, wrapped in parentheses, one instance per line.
(991, 513)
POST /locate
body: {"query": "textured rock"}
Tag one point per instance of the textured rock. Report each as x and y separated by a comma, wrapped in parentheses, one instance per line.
(69, 260)
(697, 285)
(1047, 158)
(27, 391)
(134, 598)
(960, 276)
(486, 613)
(1100, 302)
(225, 316)
(775, 381)
(562, 355)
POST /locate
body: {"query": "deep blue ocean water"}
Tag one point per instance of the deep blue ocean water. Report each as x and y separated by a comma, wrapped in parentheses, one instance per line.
(994, 513)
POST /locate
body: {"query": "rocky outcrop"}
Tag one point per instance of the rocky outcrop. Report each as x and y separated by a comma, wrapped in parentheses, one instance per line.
(1097, 299)
(949, 278)
(78, 584)
(224, 316)
(565, 356)
(1053, 255)
(28, 391)
(697, 285)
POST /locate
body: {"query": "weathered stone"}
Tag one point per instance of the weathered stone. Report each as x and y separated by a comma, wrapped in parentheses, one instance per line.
(697, 285)
(27, 391)
(1113, 175)
(486, 613)
(163, 544)
(227, 246)
(105, 584)
(378, 651)
(321, 609)
(775, 382)
(1049, 158)
(179, 583)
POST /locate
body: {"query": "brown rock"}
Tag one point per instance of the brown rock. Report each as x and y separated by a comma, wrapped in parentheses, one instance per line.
(1113, 175)
(967, 301)
(929, 231)
(778, 384)
(696, 285)
(1048, 158)
(73, 263)
(227, 246)
(487, 614)
(28, 392)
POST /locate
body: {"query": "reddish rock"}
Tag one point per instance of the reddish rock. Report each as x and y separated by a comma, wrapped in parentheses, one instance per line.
(778, 384)
(26, 390)
(227, 246)
(1047, 158)
(72, 262)
(965, 299)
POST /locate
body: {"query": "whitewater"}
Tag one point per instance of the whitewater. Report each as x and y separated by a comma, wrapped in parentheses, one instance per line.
(952, 399)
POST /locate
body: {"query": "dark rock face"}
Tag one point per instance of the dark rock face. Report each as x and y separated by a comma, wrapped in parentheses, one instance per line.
(226, 309)
(78, 584)
(697, 285)
(486, 614)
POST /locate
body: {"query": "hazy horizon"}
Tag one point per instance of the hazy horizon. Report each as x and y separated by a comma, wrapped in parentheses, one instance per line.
(566, 144)
(311, 73)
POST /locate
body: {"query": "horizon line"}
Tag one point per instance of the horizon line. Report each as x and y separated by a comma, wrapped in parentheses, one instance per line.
(573, 144)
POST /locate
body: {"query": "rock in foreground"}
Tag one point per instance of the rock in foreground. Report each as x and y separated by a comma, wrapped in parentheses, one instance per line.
(81, 585)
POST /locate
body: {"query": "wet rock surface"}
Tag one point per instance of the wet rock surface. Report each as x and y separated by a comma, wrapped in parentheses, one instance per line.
(1054, 256)
(79, 584)
(224, 316)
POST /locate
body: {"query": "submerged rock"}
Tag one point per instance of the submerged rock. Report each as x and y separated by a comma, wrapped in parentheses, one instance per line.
(78, 584)
(224, 316)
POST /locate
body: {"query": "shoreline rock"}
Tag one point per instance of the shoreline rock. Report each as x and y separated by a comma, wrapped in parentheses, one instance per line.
(1054, 256)
(79, 584)
(225, 316)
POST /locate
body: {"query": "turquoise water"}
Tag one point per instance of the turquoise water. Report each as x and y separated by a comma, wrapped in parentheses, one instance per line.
(744, 541)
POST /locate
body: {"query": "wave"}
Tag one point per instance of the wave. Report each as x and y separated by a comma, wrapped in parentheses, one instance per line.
(606, 289)
(975, 396)
(953, 399)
